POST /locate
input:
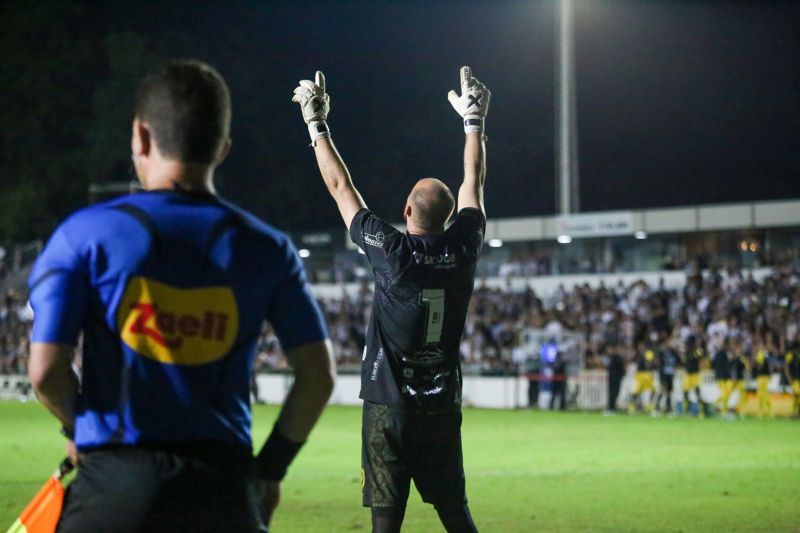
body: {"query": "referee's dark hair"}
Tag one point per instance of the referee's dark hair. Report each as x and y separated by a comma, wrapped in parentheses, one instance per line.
(187, 107)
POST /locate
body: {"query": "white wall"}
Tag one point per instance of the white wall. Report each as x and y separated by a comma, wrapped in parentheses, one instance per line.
(478, 391)
(509, 392)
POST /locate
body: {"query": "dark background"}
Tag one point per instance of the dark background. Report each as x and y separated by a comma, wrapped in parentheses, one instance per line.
(678, 102)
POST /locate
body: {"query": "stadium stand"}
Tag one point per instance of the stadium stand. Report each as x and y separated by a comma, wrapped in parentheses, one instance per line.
(708, 272)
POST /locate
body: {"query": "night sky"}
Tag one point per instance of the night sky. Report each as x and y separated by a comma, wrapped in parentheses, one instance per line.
(678, 102)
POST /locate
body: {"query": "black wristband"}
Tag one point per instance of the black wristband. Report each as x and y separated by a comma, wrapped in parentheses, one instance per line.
(275, 457)
(67, 433)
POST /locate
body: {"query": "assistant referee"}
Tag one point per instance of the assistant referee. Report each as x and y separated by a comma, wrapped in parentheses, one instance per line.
(169, 289)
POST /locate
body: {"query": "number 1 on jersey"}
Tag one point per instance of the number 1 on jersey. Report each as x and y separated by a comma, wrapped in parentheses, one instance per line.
(433, 300)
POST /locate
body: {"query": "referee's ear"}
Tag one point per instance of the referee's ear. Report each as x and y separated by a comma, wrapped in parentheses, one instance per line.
(140, 139)
(224, 150)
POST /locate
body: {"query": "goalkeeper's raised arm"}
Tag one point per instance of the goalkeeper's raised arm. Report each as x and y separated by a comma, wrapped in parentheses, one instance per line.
(472, 105)
(315, 105)
(411, 366)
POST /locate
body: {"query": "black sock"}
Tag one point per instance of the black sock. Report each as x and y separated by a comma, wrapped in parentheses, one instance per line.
(457, 519)
(387, 519)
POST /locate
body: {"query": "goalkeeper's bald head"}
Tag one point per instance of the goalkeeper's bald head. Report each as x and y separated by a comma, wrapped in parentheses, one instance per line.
(429, 206)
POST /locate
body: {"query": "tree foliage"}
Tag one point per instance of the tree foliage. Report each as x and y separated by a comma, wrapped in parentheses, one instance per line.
(44, 62)
(66, 97)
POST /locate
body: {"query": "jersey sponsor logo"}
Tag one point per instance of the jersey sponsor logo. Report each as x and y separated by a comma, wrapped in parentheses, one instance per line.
(375, 240)
(170, 325)
(444, 261)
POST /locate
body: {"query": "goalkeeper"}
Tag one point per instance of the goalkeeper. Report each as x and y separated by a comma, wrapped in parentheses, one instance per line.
(411, 372)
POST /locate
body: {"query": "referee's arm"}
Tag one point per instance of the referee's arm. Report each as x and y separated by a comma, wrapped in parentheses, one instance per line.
(58, 296)
(299, 324)
(53, 380)
(314, 372)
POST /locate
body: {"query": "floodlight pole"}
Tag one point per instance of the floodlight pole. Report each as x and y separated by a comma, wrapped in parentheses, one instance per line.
(567, 185)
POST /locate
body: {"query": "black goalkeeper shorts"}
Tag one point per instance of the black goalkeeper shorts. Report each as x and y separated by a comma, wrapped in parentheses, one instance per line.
(398, 445)
(128, 489)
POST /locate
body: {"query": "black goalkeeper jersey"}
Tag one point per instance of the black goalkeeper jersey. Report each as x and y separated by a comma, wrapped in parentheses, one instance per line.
(423, 284)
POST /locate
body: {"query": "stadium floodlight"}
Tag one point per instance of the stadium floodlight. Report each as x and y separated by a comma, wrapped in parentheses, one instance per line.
(495, 243)
(567, 180)
(640, 235)
(564, 239)
(304, 252)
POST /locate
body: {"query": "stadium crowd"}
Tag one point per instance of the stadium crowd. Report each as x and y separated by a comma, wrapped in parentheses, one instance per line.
(716, 310)
(15, 321)
(710, 308)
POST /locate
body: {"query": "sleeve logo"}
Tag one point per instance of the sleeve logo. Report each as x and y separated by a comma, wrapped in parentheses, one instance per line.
(374, 240)
(177, 326)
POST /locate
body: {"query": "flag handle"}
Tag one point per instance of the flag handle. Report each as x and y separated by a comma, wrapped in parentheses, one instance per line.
(64, 468)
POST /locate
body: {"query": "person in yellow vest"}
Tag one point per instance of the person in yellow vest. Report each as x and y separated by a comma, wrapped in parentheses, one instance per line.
(645, 366)
(792, 370)
(694, 356)
(740, 366)
(762, 371)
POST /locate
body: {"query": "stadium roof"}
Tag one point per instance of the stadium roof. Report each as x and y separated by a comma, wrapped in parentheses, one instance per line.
(685, 219)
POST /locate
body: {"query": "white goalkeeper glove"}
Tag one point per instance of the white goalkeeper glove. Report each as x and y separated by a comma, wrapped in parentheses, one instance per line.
(315, 105)
(473, 104)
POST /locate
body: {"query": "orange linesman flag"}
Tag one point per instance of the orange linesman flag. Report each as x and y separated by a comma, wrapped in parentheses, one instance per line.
(42, 513)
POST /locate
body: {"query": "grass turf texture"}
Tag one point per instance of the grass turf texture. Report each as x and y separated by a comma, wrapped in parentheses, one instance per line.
(526, 471)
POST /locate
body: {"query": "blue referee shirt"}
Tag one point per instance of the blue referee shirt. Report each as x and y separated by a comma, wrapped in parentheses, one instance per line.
(170, 291)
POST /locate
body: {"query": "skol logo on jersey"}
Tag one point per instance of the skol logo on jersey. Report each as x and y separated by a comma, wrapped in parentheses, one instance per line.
(177, 326)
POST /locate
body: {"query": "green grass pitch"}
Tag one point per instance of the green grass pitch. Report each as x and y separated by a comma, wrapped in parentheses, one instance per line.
(526, 471)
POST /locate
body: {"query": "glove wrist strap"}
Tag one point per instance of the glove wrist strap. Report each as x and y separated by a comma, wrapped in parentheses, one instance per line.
(318, 129)
(473, 124)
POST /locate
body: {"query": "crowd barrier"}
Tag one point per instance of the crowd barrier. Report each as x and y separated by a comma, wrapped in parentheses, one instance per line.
(588, 390)
(14, 387)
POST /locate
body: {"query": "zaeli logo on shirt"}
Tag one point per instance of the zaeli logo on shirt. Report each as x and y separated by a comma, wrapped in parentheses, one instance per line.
(171, 325)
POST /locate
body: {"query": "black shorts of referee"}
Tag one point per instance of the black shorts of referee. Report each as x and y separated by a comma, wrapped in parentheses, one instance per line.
(163, 488)
(400, 445)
